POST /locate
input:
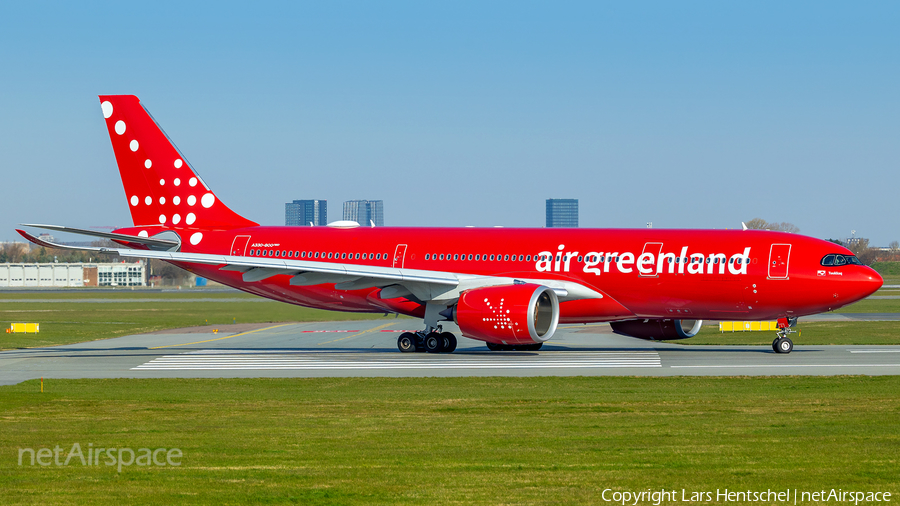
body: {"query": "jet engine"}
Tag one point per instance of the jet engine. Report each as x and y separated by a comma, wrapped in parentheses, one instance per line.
(657, 330)
(511, 314)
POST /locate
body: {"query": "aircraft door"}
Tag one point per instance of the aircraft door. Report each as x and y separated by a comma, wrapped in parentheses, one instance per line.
(239, 246)
(399, 256)
(654, 248)
(779, 259)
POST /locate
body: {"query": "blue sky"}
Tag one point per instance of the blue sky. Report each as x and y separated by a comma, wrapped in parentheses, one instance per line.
(686, 114)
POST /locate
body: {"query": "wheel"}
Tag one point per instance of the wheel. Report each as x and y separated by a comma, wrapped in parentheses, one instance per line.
(531, 347)
(494, 346)
(449, 342)
(406, 342)
(785, 345)
(434, 343)
(775, 345)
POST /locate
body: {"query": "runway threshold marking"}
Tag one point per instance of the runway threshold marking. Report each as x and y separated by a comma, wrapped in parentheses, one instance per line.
(210, 360)
(220, 338)
(373, 329)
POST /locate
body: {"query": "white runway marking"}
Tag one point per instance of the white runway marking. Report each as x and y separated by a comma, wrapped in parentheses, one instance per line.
(243, 360)
(777, 365)
(874, 351)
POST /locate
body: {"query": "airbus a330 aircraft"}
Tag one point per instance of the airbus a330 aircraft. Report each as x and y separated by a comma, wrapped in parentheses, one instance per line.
(507, 287)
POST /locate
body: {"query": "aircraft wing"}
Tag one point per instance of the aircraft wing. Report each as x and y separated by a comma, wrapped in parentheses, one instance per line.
(425, 285)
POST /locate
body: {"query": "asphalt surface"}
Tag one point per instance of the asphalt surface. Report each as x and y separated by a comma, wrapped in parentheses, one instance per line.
(368, 348)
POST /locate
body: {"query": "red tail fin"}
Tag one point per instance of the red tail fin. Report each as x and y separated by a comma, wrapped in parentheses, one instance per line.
(162, 188)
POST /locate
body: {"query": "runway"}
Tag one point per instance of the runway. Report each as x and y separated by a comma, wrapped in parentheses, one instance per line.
(368, 348)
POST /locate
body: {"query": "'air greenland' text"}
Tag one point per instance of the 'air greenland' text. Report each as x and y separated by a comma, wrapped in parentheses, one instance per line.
(647, 263)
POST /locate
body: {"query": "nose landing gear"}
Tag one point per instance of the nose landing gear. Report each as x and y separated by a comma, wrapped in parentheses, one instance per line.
(782, 343)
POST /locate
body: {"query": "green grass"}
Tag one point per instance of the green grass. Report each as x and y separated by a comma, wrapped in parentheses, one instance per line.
(891, 269)
(872, 306)
(451, 440)
(810, 333)
(73, 322)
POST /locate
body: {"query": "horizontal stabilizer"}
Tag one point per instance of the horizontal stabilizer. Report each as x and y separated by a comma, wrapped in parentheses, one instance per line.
(48, 244)
(148, 241)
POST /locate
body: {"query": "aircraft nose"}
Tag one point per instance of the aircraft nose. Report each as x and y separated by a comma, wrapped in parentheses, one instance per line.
(874, 282)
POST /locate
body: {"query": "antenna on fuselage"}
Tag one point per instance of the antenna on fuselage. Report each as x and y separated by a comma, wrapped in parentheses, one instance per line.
(743, 226)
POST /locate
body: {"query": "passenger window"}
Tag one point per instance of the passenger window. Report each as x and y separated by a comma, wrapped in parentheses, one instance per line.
(470, 256)
(455, 257)
(492, 258)
(477, 257)
(442, 256)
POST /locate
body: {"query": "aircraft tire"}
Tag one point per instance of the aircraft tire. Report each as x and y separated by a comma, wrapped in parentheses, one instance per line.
(785, 345)
(775, 345)
(495, 346)
(449, 342)
(434, 343)
(406, 342)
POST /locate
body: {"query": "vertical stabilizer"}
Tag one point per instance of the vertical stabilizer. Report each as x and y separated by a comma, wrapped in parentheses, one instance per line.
(162, 189)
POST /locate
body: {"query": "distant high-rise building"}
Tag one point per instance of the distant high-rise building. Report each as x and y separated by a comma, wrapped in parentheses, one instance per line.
(365, 211)
(300, 213)
(562, 213)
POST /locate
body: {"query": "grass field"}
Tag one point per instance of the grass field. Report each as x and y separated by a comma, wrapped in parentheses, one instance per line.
(450, 440)
(72, 322)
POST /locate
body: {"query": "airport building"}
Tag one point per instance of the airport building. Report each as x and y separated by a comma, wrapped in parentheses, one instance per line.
(300, 213)
(365, 212)
(64, 275)
(562, 213)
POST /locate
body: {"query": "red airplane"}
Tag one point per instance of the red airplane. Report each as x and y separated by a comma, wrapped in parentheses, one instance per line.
(507, 287)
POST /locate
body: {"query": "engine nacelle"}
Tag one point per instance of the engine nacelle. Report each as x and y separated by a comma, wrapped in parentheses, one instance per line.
(509, 314)
(657, 330)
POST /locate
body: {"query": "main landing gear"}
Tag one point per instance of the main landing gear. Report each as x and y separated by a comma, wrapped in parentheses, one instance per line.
(432, 342)
(782, 343)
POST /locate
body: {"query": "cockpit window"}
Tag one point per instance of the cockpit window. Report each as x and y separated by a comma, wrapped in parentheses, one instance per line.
(835, 259)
